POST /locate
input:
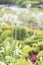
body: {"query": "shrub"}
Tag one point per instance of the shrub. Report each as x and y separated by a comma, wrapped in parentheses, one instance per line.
(40, 54)
(30, 31)
(40, 45)
(28, 41)
(23, 62)
(19, 33)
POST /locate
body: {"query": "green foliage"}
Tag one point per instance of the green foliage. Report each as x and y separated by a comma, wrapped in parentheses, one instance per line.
(26, 50)
(40, 54)
(19, 2)
(20, 33)
(18, 43)
(23, 62)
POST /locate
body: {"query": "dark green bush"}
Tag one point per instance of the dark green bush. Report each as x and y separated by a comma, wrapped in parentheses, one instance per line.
(19, 33)
(19, 2)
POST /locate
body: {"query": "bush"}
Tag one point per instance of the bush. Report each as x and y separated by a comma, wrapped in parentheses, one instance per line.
(19, 2)
(40, 54)
(28, 41)
(23, 62)
(19, 33)
(40, 45)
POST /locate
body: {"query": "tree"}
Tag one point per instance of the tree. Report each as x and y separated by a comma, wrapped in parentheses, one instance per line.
(41, 1)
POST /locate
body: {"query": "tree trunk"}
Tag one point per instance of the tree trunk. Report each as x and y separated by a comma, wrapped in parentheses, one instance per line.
(41, 1)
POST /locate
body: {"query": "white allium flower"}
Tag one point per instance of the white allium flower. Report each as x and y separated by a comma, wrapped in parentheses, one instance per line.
(41, 58)
(2, 63)
(7, 45)
(5, 17)
(3, 23)
(39, 18)
(3, 9)
(14, 8)
(28, 6)
(34, 15)
(33, 35)
(18, 23)
(17, 51)
(1, 51)
(18, 12)
(0, 19)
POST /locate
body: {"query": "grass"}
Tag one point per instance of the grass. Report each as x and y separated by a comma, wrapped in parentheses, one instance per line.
(29, 2)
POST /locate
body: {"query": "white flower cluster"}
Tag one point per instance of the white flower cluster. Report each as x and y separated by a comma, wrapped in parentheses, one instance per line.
(2, 63)
(21, 16)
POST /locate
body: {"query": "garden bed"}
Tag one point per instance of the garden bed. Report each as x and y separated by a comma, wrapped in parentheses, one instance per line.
(21, 44)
